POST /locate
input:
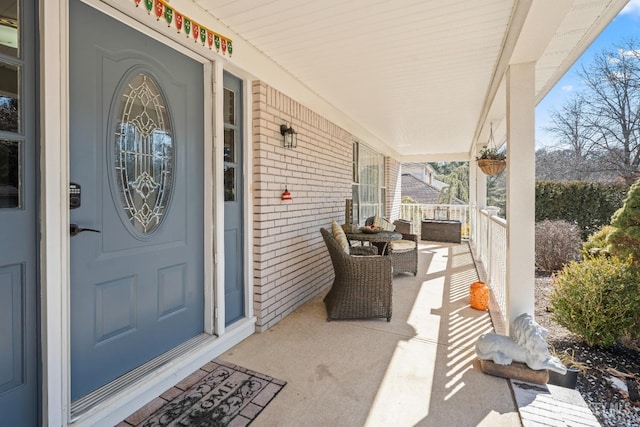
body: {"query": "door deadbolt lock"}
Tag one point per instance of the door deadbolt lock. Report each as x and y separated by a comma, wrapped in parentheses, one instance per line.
(75, 194)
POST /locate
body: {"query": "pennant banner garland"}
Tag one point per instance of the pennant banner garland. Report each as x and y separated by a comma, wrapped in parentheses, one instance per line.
(192, 29)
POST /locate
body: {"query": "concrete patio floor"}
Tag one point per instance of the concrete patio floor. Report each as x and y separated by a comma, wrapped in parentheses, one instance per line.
(420, 369)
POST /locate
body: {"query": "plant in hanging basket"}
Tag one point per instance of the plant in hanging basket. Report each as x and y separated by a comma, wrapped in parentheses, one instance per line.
(491, 161)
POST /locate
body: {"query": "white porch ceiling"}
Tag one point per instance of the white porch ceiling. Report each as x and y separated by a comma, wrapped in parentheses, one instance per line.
(420, 75)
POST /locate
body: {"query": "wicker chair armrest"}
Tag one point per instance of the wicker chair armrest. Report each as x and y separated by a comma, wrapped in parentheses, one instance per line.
(373, 265)
(363, 250)
(412, 237)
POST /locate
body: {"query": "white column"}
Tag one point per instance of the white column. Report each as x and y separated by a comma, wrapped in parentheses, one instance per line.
(520, 190)
(54, 212)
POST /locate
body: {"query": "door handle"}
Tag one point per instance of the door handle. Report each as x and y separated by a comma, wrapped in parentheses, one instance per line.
(75, 229)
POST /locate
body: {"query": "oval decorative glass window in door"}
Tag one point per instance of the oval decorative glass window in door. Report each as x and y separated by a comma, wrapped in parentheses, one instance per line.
(144, 159)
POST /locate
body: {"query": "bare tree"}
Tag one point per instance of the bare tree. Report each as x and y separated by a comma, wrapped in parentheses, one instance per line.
(598, 130)
(574, 134)
(571, 127)
(612, 106)
(561, 165)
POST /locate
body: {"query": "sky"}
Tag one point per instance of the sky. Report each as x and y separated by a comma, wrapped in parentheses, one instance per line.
(624, 26)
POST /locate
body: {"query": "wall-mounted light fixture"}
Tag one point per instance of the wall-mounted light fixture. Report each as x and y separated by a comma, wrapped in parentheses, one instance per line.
(286, 195)
(290, 136)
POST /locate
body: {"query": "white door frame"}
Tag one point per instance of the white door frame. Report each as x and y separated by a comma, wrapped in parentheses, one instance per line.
(54, 248)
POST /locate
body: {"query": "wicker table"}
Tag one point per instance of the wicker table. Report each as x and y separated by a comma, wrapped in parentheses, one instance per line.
(383, 237)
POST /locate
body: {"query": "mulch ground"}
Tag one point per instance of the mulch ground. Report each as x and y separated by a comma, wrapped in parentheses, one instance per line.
(610, 384)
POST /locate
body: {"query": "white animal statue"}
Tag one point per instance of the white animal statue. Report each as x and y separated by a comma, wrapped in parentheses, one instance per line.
(527, 344)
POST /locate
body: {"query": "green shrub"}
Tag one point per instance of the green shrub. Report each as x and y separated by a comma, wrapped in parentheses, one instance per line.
(588, 204)
(596, 244)
(624, 239)
(557, 243)
(597, 299)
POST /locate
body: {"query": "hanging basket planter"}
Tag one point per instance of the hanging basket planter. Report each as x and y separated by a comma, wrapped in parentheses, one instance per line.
(492, 167)
(491, 161)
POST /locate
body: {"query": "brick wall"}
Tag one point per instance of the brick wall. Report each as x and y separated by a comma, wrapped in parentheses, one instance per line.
(394, 188)
(291, 264)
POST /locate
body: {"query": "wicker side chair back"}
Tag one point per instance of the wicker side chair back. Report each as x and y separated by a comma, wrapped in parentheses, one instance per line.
(362, 288)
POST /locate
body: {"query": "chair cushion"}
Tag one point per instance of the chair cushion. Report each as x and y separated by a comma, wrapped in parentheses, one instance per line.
(402, 245)
(338, 234)
(378, 221)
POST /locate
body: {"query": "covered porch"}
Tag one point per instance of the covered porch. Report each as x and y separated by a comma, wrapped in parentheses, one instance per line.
(420, 369)
(367, 86)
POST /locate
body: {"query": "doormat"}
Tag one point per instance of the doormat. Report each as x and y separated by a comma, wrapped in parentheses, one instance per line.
(218, 394)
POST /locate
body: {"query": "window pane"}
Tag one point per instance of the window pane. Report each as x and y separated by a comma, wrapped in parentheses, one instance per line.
(229, 145)
(229, 184)
(370, 167)
(9, 29)
(355, 195)
(9, 111)
(369, 188)
(229, 107)
(355, 162)
(10, 163)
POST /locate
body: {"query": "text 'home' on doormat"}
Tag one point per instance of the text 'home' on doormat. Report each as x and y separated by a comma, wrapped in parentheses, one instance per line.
(218, 394)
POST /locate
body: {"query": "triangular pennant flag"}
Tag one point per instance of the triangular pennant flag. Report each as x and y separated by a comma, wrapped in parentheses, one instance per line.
(187, 26)
(168, 15)
(179, 21)
(196, 30)
(159, 9)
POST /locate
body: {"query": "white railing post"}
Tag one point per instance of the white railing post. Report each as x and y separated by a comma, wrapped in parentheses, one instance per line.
(497, 258)
(492, 211)
(491, 252)
(481, 234)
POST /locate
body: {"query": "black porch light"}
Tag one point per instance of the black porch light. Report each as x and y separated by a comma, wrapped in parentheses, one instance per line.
(290, 136)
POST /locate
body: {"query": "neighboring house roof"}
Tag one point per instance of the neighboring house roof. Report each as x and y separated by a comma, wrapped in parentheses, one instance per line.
(422, 192)
(424, 172)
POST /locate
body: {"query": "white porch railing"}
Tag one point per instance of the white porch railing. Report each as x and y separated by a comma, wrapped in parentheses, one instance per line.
(491, 244)
(416, 213)
(491, 248)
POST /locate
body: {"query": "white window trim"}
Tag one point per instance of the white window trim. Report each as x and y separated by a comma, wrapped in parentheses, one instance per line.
(356, 167)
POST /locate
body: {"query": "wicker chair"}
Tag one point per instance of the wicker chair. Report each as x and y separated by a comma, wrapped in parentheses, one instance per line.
(404, 257)
(362, 287)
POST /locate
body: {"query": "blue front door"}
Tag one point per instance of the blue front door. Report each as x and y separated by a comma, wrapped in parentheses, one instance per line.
(233, 201)
(136, 160)
(19, 404)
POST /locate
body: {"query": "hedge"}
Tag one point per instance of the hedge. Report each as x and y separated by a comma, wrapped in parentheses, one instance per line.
(588, 204)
